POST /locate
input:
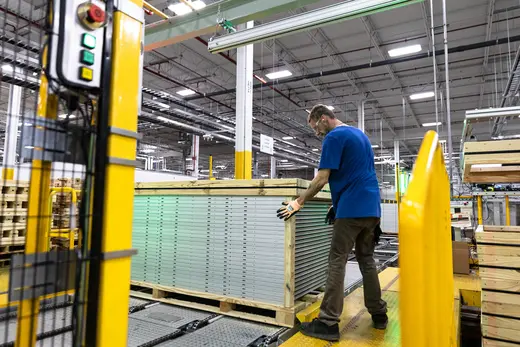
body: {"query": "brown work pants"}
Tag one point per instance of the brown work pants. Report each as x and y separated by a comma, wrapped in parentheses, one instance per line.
(347, 233)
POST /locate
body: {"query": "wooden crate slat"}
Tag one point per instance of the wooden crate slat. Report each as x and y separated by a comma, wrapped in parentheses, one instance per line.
(503, 238)
(492, 146)
(499, 260)
(494, 343)
(501, 333)
(501, 322)
(507, 251)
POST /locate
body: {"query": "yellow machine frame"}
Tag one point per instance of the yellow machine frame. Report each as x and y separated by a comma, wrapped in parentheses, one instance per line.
(425, 249)
(112, 319)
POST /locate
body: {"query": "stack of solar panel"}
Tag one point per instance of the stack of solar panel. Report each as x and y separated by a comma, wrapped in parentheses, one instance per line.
(313, 237)
(231, 246)
(227, 245)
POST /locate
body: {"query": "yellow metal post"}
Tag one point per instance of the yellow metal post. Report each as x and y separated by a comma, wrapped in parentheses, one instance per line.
(425, 248)
(508, 212)
(211, 168)
(7, 173)
(116, 235)
(38, 219)
(479, 210)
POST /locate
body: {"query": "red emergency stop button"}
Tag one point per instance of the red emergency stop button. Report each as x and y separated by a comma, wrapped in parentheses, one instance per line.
(95, 14)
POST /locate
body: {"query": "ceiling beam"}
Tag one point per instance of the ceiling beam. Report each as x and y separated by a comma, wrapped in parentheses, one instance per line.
(204, 21)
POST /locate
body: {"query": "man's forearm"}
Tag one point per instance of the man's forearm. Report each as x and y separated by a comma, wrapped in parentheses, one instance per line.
(315, 187)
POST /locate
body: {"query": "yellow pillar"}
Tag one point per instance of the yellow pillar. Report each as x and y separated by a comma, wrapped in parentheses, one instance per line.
(38, 219)
(508, 212)
(211, 168)
(111, 296)
(479, 208)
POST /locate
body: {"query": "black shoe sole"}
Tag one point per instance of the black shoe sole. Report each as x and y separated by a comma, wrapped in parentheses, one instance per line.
(380, 326)
(320, 336)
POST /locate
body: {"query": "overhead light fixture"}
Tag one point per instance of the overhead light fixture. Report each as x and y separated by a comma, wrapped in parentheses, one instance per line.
(70, 116)
(284, 161)
(442, 141)
(198, 4)
(189, 159)
(186, 92)
(7, 68)
(386, 182)
(433, 124)
(278, 74)
(35, 74)
(420, 96)
(375, 146)
(162, 106)
(181, 9)
(306, 21)
(265, 176)
(308, 111)
(315, 149)
(287, 138)
(148, 150)
(330, 108)
(397, 52)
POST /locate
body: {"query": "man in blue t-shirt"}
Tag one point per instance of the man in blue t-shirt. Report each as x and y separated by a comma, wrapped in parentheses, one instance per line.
(347, 164)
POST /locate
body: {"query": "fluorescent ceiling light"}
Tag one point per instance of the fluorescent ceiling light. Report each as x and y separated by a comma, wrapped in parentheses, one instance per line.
(180, 9)
(148, 150)
(7, 68)
(308, 111)
(483, 166)
(375, 146)
(284, 161)
(442, 141)
(35, 74)
(162, 106)
(433, 124)
(189, 159)
(330, 108)
(287, 138)
(198, 4)
(315, 149)
(186, 92)
(265, 176)
(386, 182)
(419, 96)
(70, 116)
(397, 52)
(278, 74)
(320, 17)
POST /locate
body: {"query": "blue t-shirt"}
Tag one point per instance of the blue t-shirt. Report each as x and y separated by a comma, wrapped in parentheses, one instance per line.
(348, 154)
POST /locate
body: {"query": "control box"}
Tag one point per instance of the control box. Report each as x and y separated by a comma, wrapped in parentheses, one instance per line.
(76, 45)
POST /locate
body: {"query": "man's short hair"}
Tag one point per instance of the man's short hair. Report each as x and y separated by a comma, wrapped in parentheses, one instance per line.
(318, 111)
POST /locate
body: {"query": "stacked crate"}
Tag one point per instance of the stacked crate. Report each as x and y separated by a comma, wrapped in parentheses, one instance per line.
(13, 212)
(499, 258)
(65, 214)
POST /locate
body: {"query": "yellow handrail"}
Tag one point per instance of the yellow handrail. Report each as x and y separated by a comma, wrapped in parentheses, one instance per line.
(426, 281)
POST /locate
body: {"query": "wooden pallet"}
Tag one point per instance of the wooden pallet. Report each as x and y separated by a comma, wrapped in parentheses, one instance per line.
(14, 187)
(235, 307)
(10, 219)
(498, 250)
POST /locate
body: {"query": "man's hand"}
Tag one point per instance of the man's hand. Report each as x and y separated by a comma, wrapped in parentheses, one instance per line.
(288, 209)
(331, 216)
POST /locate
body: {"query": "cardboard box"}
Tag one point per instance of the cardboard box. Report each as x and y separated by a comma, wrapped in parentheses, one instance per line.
(460, 258)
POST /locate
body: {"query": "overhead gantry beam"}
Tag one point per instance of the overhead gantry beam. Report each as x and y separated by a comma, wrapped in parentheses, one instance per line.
(204, 21)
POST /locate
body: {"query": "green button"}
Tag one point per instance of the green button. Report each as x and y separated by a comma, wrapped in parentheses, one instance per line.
(87, 57)
(88, 41)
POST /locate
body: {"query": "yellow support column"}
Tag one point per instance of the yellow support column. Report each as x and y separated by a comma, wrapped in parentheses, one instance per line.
(38, 219)
(479, 210)
(107, 307)
(508, 212)
(211, 168)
